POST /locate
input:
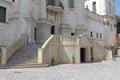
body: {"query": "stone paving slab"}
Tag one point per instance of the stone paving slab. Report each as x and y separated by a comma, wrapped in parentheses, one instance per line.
(87, 71)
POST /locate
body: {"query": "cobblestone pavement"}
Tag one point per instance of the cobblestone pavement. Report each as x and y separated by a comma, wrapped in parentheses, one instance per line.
(87, 71)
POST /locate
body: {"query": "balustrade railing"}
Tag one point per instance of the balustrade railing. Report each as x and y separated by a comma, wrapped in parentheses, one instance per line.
(10, 49)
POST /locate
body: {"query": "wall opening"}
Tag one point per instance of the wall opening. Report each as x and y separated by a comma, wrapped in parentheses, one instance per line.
(53, 29)
(82, 55)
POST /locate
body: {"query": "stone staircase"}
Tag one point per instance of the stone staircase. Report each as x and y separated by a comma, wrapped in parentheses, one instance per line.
(26, 56)
(117, 58)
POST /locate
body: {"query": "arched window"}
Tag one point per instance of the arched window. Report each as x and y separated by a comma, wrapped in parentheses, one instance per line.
(109, 7)
(2, 14)
(94, 6)
(71, 3)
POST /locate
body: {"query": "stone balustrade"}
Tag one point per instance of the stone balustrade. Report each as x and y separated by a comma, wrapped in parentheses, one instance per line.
(49, 49)
(69, 40)
(10, 49)
(63, 47)
(104, 53)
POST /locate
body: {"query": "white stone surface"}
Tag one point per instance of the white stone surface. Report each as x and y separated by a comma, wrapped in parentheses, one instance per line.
(26, 16)
(92, 71)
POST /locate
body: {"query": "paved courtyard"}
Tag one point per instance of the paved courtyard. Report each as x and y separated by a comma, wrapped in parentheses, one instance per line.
(88, 71)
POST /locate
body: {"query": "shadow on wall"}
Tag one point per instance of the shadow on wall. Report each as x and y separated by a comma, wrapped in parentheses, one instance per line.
(57, 49)
(64, 58)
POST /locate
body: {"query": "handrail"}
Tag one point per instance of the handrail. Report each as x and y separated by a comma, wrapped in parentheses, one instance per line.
(10, 49)
(104, 52)
(48, 48)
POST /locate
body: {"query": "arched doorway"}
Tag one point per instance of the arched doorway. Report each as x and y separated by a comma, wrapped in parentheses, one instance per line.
(53, 29)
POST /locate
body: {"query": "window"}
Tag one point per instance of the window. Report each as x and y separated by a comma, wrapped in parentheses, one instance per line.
(72, 34)
(2, 14)
(86, 6)
(96, 35)
(100, 36)
(71, 3)
(53, 29)
(94, 6)
(109, 7)
(91, 34)
(111, 27)
(50, 2)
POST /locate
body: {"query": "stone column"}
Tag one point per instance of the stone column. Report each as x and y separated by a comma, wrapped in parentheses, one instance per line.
(43, 13)
(81, 26)
(78, 51)
(23, 12)
(65, 28)
(88, 54)
(43, 31)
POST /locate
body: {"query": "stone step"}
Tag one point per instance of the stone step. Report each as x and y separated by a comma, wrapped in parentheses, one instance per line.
(23, 58)
(22, 63)
(13, 61)
(26, 56)
(24, 66)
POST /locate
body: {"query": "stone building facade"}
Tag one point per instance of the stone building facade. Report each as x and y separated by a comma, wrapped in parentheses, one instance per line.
(41, 18)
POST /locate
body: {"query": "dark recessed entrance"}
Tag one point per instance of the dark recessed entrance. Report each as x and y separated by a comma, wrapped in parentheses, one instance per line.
(82, 54)
(53, 29)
